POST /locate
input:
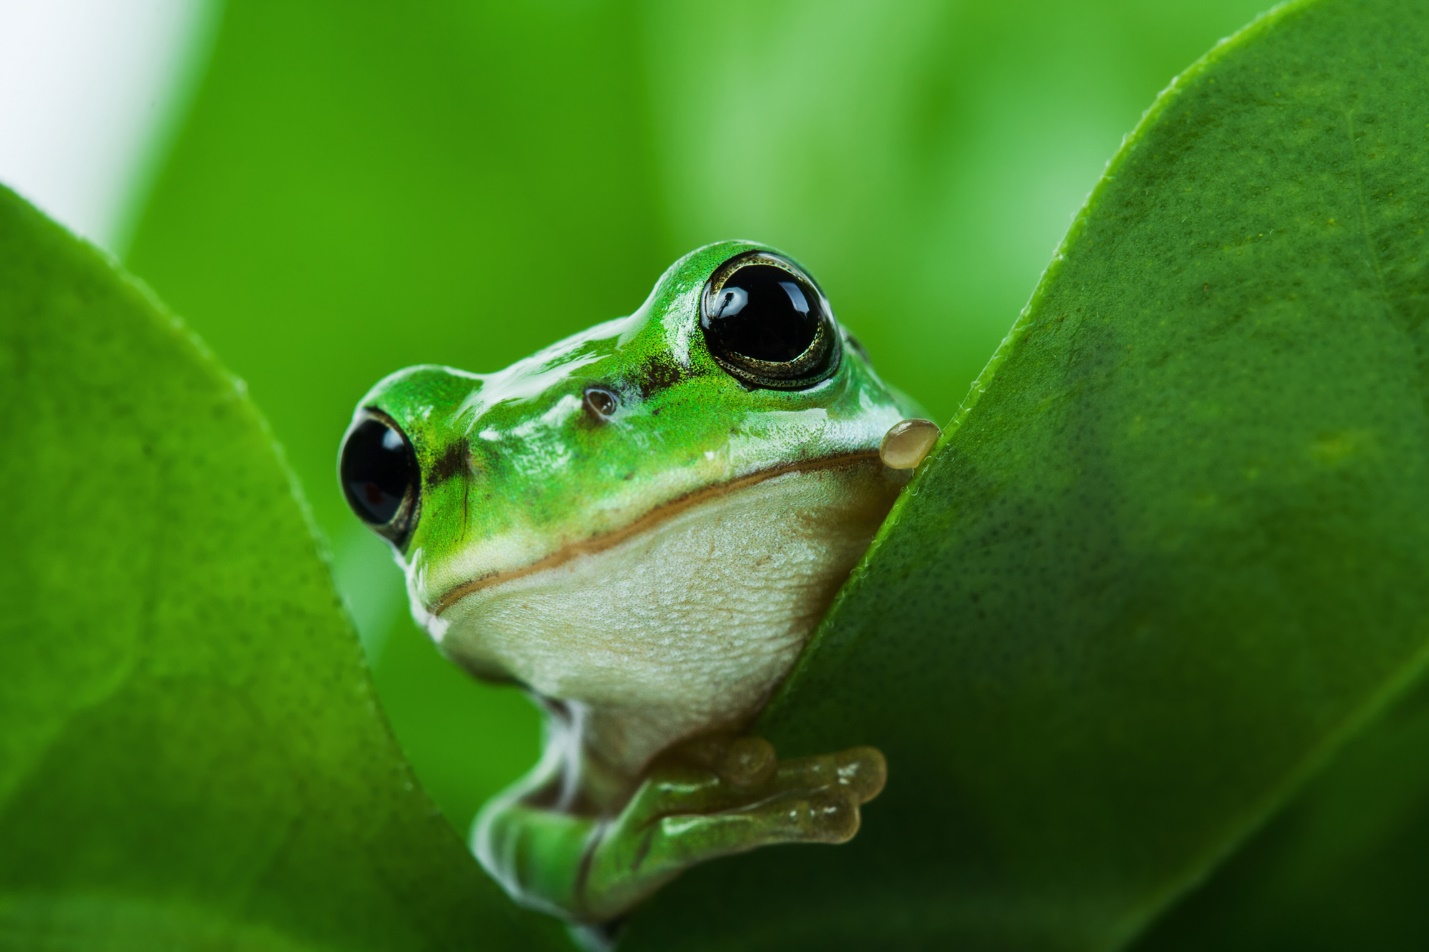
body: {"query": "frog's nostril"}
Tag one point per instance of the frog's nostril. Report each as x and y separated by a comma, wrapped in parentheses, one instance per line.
(599, 403)
(379, 475)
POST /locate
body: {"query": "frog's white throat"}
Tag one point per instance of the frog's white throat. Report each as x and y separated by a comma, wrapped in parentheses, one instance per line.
(685, 627)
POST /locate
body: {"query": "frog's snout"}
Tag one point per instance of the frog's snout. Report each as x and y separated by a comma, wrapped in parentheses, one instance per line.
(380, 476)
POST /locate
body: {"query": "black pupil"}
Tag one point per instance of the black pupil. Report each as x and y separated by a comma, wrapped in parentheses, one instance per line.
(378, 470)
(765, 313)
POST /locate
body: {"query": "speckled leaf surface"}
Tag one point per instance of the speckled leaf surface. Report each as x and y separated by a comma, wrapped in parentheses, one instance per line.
(190, 752)
(1169, 560)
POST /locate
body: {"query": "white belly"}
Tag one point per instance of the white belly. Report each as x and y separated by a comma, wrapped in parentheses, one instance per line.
(686, 627)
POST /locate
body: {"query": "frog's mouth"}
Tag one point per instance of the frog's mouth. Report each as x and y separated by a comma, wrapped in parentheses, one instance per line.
(651, 519)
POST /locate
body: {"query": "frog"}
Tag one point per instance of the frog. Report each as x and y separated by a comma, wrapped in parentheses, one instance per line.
(641, 526)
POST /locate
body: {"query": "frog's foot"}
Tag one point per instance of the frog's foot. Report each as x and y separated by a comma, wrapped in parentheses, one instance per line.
(718, 798)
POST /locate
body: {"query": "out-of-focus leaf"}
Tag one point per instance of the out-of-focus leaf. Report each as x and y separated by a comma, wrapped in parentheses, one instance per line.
(190, 751)
(1166, 562)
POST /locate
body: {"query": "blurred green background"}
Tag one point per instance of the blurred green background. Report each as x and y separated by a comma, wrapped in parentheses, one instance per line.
(359, 186)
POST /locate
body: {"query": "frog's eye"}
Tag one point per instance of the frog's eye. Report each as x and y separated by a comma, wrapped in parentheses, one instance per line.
(380, 476)
(767, 323)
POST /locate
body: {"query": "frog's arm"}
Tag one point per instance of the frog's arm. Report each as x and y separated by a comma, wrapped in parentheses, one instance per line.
(593, 869)
(532, 846)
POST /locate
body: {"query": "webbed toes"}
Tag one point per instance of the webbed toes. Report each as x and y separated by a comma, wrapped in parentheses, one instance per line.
(724, 796)
(753, 798)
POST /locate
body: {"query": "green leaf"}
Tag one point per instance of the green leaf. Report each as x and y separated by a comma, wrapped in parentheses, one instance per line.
(190, 750)
(1169, 558)
(1342, 867)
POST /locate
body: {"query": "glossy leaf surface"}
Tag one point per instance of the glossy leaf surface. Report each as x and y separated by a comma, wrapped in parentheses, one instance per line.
(191, 755)
(1168, 561)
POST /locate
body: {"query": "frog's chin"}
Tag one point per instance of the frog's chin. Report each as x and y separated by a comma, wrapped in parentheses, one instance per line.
(682, 622)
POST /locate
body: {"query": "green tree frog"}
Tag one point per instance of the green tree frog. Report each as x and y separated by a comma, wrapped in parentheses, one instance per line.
(641, 525)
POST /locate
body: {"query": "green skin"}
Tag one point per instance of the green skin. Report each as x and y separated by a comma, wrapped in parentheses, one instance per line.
(520, 473)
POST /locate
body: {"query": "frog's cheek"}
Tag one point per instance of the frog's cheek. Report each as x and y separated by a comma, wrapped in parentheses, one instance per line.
(438, 624)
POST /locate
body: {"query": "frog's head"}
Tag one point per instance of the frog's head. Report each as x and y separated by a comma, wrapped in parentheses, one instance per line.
(648, 511)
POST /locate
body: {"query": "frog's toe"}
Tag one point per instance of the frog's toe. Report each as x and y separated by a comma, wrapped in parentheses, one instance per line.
(826, 816)
(860, 772)
(740, 761)
(820, 816)
(748, 762)
(863, 771)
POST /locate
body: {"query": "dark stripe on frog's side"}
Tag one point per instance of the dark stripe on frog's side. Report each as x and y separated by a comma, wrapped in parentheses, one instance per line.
(659, 372)
(454, 461)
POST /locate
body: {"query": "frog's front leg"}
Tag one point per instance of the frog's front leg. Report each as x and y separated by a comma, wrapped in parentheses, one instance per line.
(710, 800)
